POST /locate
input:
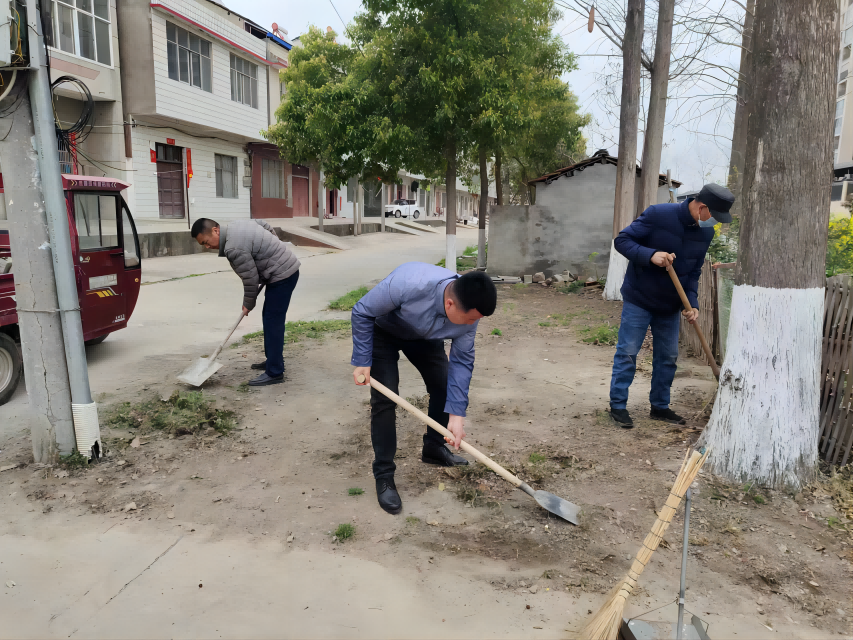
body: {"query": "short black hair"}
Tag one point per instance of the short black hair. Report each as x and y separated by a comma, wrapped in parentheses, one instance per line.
(475, 290)
(202, 225)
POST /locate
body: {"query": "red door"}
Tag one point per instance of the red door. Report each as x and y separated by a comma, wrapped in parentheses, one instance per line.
(101, 277)
(170, 181)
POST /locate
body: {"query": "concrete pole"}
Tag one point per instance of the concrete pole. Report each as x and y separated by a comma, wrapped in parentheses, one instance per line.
(382, 210)
(355, 206)
(86, 427)
(310, 190)
(321, 201)
(45, 368)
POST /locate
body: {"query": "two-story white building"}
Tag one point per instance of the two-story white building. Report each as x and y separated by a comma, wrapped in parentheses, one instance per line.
(197, 95)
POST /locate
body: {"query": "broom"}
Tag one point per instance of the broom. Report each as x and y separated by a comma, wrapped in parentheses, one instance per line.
(605, 624)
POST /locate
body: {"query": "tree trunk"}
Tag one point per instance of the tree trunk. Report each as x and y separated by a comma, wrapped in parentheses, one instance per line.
(484, 207)
(499, 185)
(450, 222)
(736, 161)
(764, 426)
(626, 169)
(653, 138)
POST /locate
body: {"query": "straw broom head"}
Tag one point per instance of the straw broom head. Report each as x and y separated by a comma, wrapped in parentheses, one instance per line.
(605, 624)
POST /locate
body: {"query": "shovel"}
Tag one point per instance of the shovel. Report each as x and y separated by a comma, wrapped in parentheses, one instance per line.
(708, 354)
(200, 370)
(566, 510)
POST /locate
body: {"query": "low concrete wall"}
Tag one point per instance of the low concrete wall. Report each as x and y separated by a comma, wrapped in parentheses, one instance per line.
(341, 230)
(181, 243)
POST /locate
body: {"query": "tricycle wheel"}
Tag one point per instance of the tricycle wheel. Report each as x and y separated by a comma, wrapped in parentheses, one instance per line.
(11, 366)
(94, 341)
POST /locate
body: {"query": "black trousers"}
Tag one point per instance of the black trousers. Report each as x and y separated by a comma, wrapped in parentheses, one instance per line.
(430, 360)
(276, 302)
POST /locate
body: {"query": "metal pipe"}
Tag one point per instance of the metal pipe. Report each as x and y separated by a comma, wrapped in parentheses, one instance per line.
(57, 221)
(679, 634)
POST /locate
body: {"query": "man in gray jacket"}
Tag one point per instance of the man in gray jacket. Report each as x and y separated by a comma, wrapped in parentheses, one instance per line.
(259, 258)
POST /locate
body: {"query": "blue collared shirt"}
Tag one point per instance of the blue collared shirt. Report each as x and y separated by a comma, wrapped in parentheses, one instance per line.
(409, 304)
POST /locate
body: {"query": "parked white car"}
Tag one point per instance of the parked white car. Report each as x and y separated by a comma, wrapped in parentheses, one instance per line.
(403, 209)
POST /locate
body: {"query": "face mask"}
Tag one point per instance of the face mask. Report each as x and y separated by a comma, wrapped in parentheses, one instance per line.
(710, 222)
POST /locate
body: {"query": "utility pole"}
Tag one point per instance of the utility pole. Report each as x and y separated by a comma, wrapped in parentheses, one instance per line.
(84, 411)
(382, 210)
(321, 201)
(484, 205)
(40, 327)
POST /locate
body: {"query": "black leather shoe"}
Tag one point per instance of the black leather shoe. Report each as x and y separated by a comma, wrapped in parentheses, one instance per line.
(263, 380)
(386, 493)
(622, 418)
(441, 455)
(666, 415)
(260, 365)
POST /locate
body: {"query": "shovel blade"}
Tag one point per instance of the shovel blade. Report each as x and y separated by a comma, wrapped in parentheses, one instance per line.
(198, 372)
(559, 507)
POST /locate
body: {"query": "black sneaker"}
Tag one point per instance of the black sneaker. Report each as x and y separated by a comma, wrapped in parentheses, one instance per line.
(260, 365)
(666, 415)
(622, 418)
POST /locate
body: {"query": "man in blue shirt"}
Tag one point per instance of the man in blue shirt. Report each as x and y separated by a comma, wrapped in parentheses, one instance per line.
(664, 235)
(414, 310)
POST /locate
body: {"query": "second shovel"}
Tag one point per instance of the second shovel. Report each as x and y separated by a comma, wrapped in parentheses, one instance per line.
(556, 505)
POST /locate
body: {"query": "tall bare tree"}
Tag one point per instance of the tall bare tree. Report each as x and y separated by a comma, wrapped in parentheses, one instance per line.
(764, 426)
(626, 168)
(656, 117)
(736, 159)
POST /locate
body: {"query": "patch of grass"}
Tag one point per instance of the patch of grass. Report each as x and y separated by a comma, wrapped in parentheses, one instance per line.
(355, 491)
(497, 332)
(602, 335)
(294, 331)
(185, 412)
(544, 324)
(832, 521)
(345, 531)
(759, 499)
(74, 460)
(537, 457)
(243, 387)
(412, 520)
(518, 286)
(572, 287)
(347, 301)
(470, 250)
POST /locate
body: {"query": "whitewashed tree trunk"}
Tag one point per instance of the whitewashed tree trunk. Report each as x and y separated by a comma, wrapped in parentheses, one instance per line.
(624, 202)
(764, 426)
(615, 275)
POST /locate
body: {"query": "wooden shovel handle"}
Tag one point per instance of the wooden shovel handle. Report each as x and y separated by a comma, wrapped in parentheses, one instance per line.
(222, 344)
(481, 457)
(687, 306)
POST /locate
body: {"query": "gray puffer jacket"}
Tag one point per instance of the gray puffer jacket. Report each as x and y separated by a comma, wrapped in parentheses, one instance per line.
(256, 255)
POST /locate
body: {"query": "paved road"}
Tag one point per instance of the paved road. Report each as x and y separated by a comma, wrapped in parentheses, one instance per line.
(179, 318)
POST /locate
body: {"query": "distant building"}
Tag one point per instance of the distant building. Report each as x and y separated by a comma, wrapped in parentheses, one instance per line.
(572, 218)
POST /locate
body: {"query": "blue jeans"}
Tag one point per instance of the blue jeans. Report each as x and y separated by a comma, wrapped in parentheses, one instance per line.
(276, 301)
(632, 332)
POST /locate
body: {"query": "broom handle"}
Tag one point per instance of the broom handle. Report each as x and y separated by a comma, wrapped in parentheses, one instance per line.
(688, 307)
(481, 457)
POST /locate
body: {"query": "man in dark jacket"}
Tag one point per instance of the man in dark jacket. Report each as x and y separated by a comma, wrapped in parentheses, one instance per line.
(664, 235)
(259, 258)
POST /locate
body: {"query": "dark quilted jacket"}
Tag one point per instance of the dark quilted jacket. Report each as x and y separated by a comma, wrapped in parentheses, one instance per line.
(670, 228)
(256, 255)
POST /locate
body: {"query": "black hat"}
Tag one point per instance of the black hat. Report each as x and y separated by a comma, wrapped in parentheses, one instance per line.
(719, 200)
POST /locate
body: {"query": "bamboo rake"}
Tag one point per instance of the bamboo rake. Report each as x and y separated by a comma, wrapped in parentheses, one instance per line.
(605, 624)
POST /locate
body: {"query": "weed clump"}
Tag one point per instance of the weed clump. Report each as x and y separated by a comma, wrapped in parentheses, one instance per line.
(355, 491)
(185, 412)
(294, 331)
(602, 335)
(345, 531)
(74, 460)
(497, 332)
(536, 457)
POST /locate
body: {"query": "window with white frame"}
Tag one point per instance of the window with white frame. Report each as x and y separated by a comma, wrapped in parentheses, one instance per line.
(271, 179)
(244, 81)
(80, 27)
(839, 116)
(189, 57)
(226, 176)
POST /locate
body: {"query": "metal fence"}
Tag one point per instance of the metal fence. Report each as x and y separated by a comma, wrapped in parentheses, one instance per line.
(836, 417)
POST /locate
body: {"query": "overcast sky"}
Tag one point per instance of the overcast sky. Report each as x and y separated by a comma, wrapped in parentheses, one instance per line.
(696, 151)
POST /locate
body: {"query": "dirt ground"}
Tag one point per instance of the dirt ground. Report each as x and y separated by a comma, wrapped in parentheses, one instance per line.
(760, 561)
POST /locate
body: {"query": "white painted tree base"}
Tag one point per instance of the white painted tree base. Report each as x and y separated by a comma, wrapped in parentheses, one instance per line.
(764, 425)
(615, 275)
(450, 254)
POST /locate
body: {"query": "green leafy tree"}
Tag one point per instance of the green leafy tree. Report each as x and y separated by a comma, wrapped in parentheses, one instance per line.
(839, 247)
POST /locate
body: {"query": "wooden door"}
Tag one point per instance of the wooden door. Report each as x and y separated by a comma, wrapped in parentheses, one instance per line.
(300, 190)
(170, 181)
